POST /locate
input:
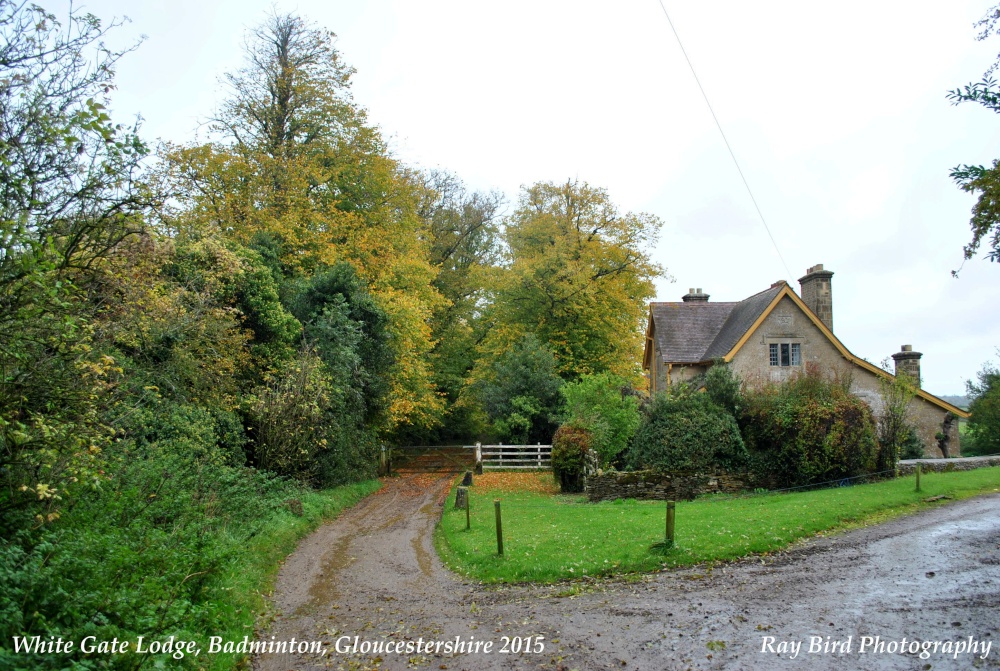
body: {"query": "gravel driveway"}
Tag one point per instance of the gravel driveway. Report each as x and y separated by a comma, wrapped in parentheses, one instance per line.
(371, 579)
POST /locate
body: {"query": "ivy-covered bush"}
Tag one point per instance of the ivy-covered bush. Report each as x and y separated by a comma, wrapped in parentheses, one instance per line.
(571, 449)
(806, 431)
(687, 433)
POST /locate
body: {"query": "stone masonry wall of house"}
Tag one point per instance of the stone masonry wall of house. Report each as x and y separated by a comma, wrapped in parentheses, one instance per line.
(650, 485)
(678, 374)
(786, 324)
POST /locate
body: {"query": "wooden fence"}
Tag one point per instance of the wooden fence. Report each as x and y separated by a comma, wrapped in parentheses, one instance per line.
(497, 457)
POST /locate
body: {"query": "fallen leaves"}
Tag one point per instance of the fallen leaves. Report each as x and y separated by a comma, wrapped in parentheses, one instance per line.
(517, 481)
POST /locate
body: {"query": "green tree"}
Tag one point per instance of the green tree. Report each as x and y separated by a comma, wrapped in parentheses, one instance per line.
(607, 407)
(578, 275)
(984, 424)
(571, 456)
(978, 179)
(350, 333)
(808, 430)
(724, 387)
(520, 392)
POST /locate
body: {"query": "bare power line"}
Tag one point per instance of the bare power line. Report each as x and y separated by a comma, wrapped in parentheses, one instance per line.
(725, 139)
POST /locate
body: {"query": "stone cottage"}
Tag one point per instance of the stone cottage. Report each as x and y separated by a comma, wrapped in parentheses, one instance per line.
(775, 334)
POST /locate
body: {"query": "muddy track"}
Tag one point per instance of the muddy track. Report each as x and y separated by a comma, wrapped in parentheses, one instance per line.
(373, 574)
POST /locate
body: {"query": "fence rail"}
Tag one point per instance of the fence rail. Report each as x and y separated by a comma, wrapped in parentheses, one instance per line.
(528, 457)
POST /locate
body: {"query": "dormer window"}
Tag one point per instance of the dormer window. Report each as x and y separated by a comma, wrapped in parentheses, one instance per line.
(786, 354)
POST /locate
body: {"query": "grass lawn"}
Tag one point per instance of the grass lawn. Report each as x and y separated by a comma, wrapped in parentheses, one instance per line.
(550, 537)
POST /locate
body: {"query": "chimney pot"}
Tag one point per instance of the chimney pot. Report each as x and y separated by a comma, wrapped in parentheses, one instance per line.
(695, 296)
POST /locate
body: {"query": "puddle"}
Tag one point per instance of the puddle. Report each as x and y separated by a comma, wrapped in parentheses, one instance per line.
(324, 588)
(423, 556)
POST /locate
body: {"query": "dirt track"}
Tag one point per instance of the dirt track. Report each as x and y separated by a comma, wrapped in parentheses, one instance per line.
(373, 574)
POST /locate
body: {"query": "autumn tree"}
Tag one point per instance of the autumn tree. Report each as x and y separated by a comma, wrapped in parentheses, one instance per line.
(295, 166)
(464, 245)
(578, 274)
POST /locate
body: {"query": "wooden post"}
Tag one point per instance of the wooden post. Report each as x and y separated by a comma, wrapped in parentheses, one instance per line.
(918, 476)
(468, 519)
(496, 505)
(461, 497)
(670, 523)
(479, 458)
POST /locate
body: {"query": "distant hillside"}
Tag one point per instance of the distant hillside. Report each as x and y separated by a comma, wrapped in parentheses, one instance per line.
(961, 401)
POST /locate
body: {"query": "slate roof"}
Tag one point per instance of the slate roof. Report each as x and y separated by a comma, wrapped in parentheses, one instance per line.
(700, 331)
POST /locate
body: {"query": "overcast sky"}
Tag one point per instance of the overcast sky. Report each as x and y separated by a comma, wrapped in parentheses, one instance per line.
(836, 112)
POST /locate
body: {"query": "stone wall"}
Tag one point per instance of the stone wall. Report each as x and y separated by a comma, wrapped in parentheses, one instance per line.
(650, 485)
(908, 466)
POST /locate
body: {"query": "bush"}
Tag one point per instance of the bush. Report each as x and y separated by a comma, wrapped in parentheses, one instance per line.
(723, 387)
(289, 419)
(520, 392)
(147, 554)
(687, 434)
(571, 449)
(895, 433)
(911, 447)
(983, 435)
(603, 405)
(806, 431)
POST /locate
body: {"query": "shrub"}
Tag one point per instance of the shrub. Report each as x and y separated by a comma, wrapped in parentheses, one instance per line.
(288, 420)
(571, 449)
(687, 434)
(806, 431)
(723, 387)
(983, 436)
(602, 405)
(148, 553)
(911, 447)
(895, 434)
(520, 392)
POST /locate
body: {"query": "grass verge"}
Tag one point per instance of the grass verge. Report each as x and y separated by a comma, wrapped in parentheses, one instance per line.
(250, 579)
(550, 537)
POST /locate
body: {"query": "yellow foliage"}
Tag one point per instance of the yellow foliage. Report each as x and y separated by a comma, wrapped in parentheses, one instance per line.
(578, 275)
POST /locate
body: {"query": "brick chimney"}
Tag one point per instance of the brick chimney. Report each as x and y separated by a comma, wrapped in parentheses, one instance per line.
(817, 293)
(908, 363)
(695, 296)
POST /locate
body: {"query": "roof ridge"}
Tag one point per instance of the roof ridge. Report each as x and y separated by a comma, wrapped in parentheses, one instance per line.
(724, 333)
(776, 285)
